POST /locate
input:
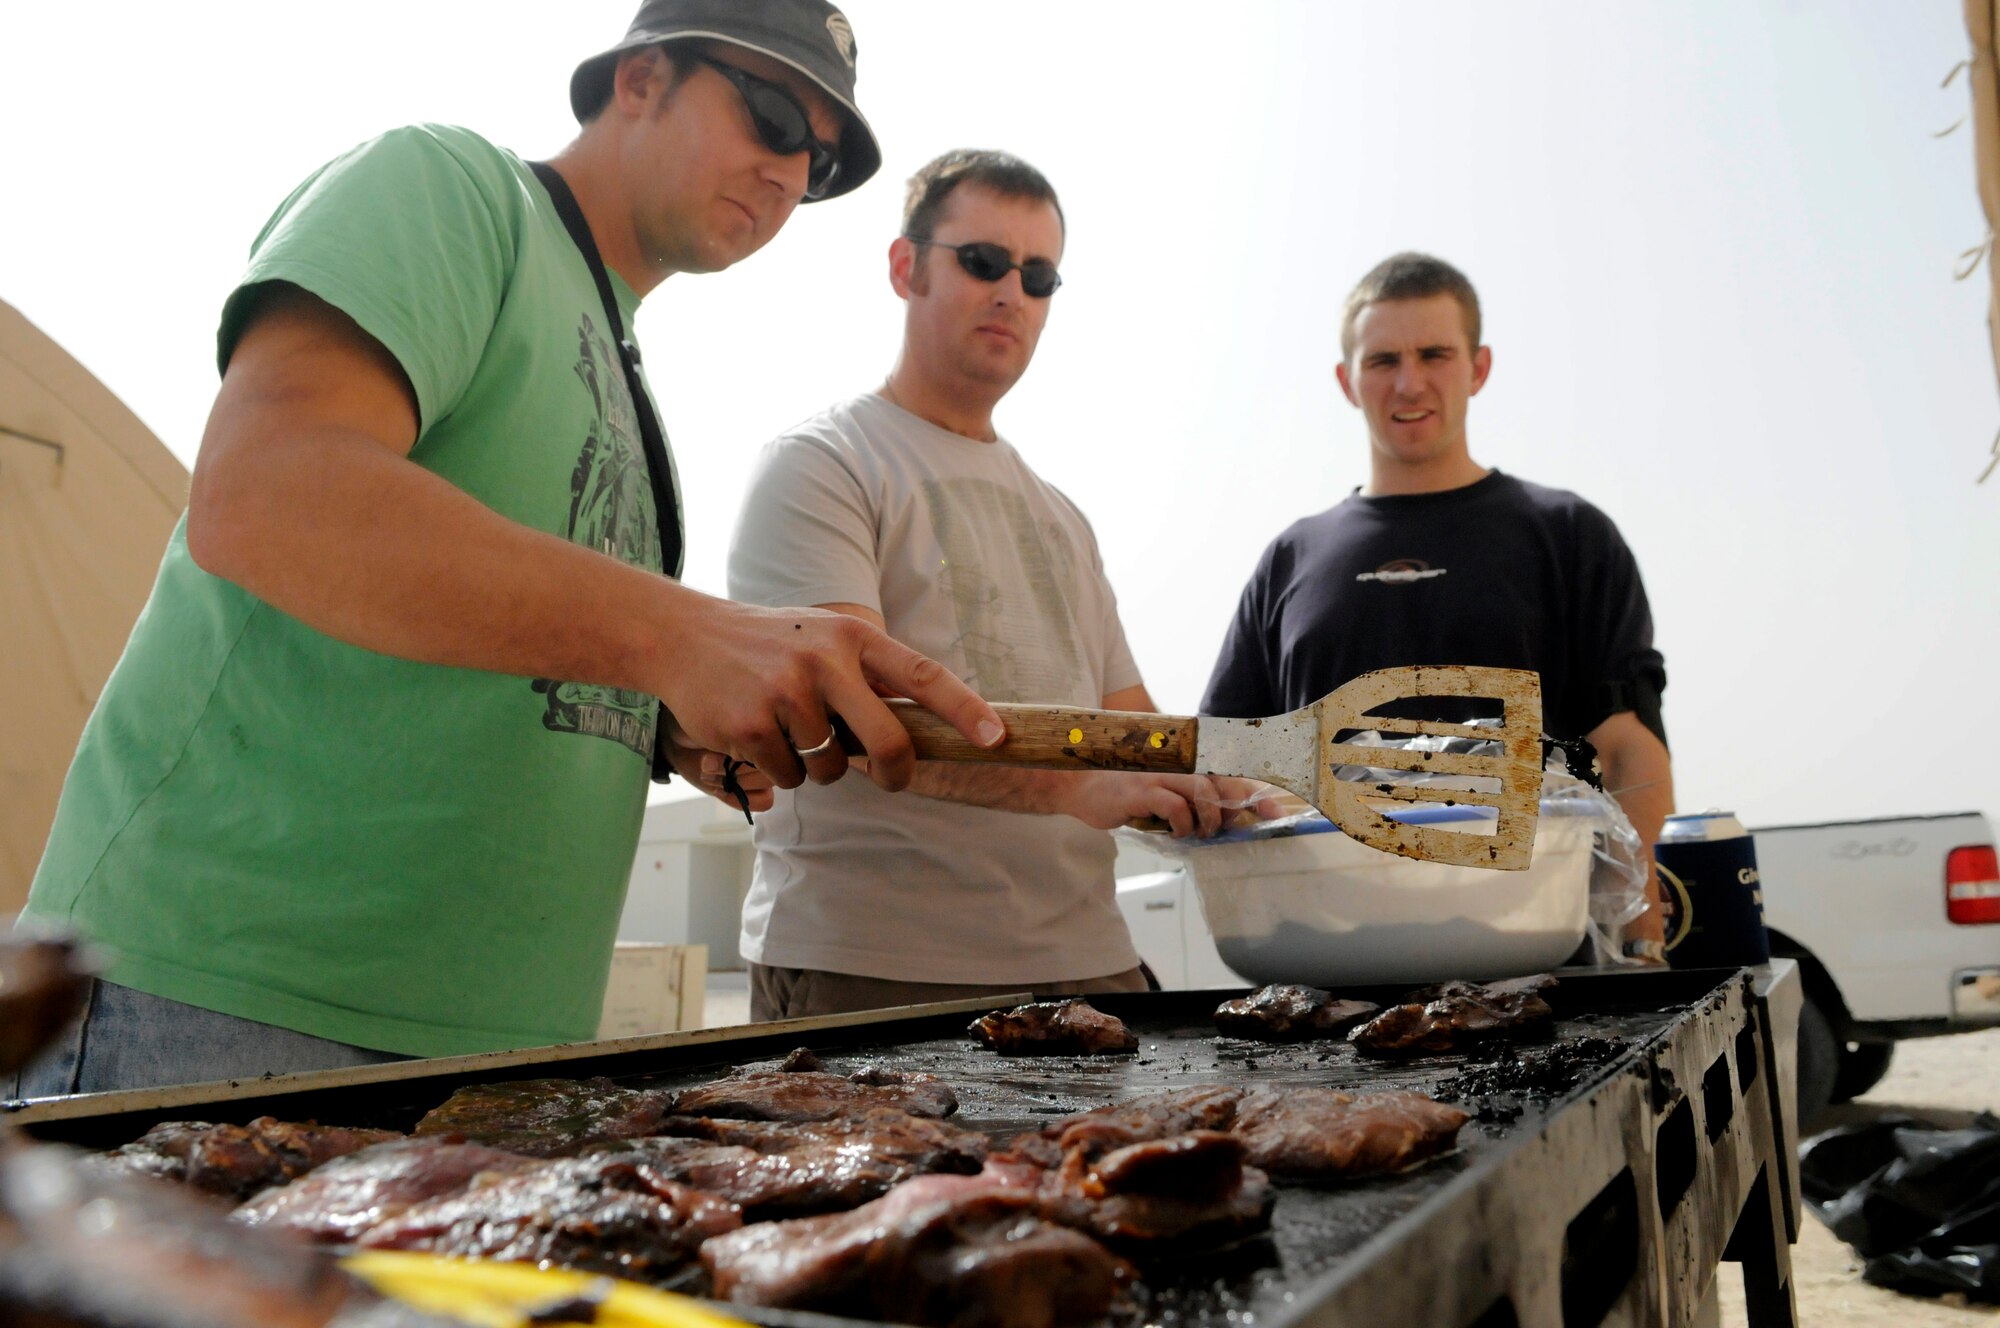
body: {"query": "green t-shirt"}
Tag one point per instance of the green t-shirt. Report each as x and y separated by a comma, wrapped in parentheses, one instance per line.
(268, 822)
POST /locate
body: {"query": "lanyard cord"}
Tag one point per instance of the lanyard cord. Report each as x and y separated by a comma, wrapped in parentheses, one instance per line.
(659, 467)
(651, 436)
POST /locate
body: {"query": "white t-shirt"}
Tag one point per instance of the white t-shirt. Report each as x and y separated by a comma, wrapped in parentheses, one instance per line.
(978, 562)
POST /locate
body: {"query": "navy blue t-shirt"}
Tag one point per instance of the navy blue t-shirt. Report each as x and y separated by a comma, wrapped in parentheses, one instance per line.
(1501, 572)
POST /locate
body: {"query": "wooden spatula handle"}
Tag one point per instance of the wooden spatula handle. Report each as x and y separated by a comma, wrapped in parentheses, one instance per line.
(1055, 738)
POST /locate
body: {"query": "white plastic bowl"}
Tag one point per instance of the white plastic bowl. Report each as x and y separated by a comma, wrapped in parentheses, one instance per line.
(1322, 909)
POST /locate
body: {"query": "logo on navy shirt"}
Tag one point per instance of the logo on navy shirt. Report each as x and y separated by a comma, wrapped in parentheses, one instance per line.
(1402, 572)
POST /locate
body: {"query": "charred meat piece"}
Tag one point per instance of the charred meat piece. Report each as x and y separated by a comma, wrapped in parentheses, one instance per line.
(776, 1169)
(767, 1186)
(236, 1161)
(1156, 1169)
(918, 1142)
(1287, 1013)
(763, 1185)
(1155, 1116)
(1452, 1016)
(548, 1117)
(802, 1058)
(1322, 1134)
(814, 1095)
(42, 986)
(610, 1214)
(944, 1251)
(1054, 1028)
(1185, 1188)
(80, 1244)
(348, 1195)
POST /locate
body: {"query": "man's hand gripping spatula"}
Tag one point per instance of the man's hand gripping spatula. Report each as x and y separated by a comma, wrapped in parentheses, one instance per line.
(1300, 752)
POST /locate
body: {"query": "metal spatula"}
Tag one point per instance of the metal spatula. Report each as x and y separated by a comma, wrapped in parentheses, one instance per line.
(1299, 752)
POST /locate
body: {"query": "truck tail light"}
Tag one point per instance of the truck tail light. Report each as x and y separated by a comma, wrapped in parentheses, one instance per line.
(1972, 884)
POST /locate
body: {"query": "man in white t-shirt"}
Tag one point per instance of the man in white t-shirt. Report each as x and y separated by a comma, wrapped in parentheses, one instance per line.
(904, 507)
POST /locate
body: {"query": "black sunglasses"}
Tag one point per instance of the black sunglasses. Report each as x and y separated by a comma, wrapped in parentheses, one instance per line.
(985, 261)
(783, 125)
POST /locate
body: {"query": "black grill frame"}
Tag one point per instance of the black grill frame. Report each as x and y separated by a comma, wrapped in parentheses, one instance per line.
(1615, 1203)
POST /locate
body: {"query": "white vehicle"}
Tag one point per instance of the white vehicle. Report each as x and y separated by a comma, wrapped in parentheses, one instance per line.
(1891, 921)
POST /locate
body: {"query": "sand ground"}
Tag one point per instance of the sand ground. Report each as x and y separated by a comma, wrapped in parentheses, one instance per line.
(1946, 1079)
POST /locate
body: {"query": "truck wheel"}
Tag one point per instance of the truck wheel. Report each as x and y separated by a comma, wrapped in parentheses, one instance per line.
(1862, 1065)
(1819, 1062)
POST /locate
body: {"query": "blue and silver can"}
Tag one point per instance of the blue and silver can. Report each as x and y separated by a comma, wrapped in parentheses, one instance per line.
(1715, 905)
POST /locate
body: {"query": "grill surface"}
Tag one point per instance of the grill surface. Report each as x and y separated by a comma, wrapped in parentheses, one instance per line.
(1334, 1253)
(1313, 1228)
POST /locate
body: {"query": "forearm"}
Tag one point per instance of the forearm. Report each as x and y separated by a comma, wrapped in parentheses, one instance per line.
(304, 494)
(1003, 788)
(1641, 778)
(368, 547)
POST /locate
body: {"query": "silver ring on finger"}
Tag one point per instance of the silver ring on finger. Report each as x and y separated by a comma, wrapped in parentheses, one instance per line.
(818, 749)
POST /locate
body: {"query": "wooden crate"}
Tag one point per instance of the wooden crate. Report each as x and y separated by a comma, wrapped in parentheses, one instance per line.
(654, 988)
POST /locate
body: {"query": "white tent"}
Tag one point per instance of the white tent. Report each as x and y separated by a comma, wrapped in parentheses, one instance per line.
(88, 498)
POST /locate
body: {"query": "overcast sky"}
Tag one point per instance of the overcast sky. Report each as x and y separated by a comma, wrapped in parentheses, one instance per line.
(1714, 241)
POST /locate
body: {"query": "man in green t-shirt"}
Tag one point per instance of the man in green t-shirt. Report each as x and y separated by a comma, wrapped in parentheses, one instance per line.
(368, 778)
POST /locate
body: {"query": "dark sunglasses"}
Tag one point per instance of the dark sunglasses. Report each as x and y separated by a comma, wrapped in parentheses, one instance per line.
(985, 261)
(782, 125)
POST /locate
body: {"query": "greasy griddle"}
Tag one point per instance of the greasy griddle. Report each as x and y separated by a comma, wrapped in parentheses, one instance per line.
(1313, 1227)
(1325, 1240)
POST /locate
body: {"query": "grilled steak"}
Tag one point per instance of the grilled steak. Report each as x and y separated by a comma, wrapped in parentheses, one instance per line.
(1308, 1133)
(918, 1142)
(1185, 1188)
(548, 1117)
(1158, 1168)
(1289, 1014)
(944, 1251)
(814, 1095)
(1155, 1116)
(1322, 1134)
(81, 1244)
(609, 1213)
(348, 1195)
(1053, 1028)
(763, 1185)
(790, 1169)
(1450, 1016)
(236, 1161)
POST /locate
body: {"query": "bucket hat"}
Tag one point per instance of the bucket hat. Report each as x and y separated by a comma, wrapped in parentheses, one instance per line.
(809, 35)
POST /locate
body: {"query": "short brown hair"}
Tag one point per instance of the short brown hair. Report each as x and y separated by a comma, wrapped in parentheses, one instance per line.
(1409, 276)
(1002, 172)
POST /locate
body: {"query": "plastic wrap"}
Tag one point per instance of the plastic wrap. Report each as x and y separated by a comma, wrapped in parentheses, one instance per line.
(1617, 873)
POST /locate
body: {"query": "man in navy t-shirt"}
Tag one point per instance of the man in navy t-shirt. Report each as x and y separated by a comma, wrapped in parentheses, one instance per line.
(1440, 560)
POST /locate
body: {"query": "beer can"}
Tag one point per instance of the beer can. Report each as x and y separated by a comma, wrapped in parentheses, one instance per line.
(1715, 904)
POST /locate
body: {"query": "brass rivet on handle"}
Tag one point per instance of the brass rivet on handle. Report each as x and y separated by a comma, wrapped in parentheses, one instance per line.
(1158, 740)
(1075, 736)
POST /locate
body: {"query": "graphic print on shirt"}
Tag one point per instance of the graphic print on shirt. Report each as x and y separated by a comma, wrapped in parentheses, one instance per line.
(967, 514)
(1401, 572)
(610, 510)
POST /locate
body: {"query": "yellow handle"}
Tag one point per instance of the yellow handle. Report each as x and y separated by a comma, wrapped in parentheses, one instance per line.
(504, 1295)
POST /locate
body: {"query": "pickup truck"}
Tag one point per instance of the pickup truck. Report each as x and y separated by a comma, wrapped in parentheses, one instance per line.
(1895, 924)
